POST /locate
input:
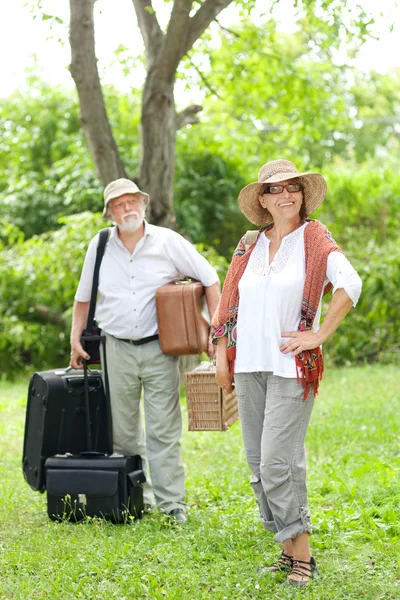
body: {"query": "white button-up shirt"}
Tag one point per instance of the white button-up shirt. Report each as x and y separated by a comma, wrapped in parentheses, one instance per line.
(270, 302)
(127, 282)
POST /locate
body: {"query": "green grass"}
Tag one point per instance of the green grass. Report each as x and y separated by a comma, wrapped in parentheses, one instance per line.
(354, 492)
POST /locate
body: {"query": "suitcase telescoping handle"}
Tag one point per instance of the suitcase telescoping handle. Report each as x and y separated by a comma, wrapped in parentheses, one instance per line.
(89, 440)
(86, 370)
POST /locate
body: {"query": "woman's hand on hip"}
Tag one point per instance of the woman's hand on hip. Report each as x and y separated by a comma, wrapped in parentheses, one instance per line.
(301, 340)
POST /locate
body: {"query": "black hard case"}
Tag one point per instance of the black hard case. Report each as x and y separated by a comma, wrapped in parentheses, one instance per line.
(94, 486)
(56, 422)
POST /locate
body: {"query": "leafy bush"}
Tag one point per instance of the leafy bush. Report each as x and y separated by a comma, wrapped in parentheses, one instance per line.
(370, 332)
(362, 204)
(219, 262)
(49, 172)
(205, 199)
(38, 279)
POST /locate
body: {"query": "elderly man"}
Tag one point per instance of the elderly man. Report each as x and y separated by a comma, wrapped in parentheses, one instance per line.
(138, 259)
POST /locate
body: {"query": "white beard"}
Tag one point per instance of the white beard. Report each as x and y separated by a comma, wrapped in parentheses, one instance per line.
(131, 221)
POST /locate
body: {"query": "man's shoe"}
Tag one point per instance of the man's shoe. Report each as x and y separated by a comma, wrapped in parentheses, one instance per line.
(148, 509)
(177, 515)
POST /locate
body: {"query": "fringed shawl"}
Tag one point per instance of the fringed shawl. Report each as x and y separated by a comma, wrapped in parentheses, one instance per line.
(318, 244)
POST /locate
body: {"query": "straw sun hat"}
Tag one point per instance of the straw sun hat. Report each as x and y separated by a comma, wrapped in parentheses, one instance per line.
(314, 190)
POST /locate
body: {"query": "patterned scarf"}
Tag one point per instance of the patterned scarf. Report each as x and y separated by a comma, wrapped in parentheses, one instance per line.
(318, 244)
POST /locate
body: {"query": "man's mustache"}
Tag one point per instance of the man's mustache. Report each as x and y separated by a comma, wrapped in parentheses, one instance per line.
(132, 213)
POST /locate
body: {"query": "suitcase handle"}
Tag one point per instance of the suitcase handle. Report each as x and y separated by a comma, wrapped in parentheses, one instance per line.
(68, 369)
(137, 478)
(92, 454)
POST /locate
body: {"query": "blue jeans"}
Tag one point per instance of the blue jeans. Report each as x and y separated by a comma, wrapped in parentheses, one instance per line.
(274, 418)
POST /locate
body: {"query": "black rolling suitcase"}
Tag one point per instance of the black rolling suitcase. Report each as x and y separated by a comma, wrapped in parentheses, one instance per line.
(56, 421)
(94, 485)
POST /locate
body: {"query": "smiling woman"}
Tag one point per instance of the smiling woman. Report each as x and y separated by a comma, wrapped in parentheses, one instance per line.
(272, 292)
(279, 199)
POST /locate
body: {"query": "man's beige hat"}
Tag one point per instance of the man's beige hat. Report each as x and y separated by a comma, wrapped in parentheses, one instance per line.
(314, 190)
(118, 188)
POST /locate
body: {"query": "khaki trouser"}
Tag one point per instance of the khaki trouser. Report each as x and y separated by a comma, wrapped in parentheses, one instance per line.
(274, 418)
(131, 369)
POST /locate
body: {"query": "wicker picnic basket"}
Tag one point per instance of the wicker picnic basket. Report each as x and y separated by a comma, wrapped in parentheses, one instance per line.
(209, 408)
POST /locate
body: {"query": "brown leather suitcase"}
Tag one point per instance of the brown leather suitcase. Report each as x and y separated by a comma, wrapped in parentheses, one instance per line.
(182, 328)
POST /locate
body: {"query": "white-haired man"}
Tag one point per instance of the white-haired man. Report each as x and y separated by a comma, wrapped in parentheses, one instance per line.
(139, 258)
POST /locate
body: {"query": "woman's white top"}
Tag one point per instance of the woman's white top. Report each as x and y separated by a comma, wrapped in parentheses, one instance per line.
(270, 297)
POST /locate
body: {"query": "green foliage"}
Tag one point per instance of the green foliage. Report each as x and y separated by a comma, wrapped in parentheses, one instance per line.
(272, 95)
(205, 198)
(38, 280)
(9, 234)
(376, 124)
(219, 262)
(49, 172)
(371, 331)
(362, 204)
(24, 344)
(354, 498)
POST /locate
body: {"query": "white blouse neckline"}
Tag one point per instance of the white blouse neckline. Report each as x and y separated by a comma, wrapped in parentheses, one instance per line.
(259, 259)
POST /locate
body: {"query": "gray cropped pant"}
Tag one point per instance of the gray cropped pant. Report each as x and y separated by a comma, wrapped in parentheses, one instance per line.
(274, 418)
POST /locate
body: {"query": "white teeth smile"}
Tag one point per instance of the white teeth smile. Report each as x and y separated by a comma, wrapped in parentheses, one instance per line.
(287, 204)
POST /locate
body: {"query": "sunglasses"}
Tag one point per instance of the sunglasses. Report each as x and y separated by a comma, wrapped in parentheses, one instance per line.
(278, 189)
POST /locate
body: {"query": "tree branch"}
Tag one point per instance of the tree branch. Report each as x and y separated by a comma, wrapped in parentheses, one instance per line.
(175, 37)
(205, 80)
(201, 20)
(83, 69)
(188, 116)
(233, 33)
(149, 28)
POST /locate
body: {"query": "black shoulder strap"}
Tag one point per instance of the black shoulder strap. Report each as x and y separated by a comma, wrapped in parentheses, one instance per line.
(101, 246)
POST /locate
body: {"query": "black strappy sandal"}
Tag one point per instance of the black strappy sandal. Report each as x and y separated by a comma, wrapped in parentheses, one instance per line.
(306, 569)
(284, 564)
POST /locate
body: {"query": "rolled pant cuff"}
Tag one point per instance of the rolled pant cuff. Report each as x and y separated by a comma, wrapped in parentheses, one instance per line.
(268, 525)
(292, 531)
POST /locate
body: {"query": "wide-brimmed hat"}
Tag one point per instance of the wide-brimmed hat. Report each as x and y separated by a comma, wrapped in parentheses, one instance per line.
(314, 190)
(118, 188)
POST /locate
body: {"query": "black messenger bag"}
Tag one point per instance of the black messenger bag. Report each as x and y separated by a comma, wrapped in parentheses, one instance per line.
(90, 485)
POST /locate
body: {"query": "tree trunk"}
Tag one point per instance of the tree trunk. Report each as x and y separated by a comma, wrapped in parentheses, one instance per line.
(157, 160)
(94, 119)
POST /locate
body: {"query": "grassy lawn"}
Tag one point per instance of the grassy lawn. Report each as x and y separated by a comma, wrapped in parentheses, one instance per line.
(354, 488)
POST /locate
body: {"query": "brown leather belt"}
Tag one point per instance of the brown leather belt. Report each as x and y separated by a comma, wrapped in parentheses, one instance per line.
(145, 340)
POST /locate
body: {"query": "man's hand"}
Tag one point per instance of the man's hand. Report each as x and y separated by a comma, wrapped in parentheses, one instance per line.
(77, 355)
(301, 340)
